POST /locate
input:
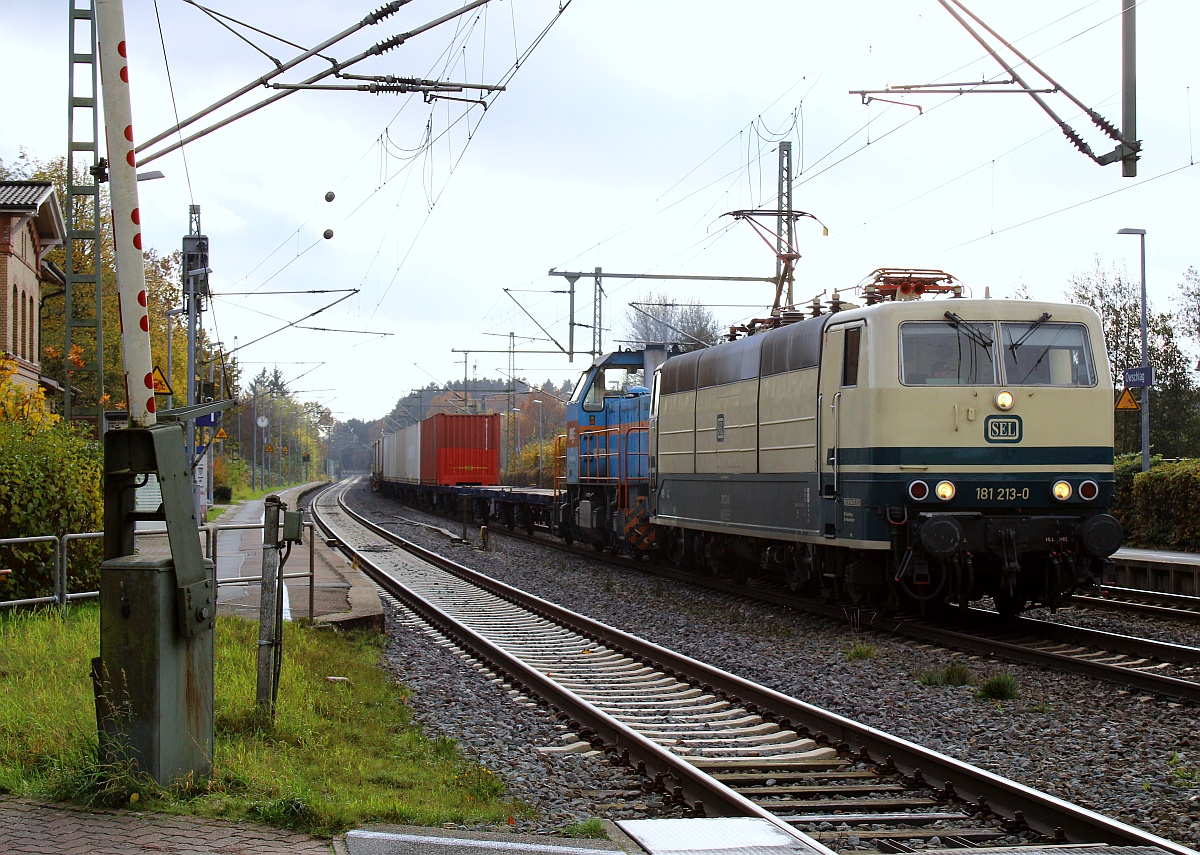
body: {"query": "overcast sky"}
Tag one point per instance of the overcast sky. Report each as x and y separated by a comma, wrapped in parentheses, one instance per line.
(621, 140)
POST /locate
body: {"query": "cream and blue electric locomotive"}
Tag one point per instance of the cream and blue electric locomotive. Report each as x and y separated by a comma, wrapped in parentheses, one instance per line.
(915, 450)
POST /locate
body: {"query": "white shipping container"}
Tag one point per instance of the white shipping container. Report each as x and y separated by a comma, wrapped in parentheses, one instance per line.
(402, 455)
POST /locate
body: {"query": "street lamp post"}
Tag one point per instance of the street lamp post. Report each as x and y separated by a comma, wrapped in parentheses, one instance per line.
(539, 403)
(1141, 233)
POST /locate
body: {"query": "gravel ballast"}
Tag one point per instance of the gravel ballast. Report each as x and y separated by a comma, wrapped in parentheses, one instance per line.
(1124, 755)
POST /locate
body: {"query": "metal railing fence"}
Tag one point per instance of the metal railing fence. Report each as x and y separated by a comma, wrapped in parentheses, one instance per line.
(61, 563)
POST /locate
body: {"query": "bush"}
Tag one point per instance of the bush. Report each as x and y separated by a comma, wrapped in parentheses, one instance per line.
(51, 483)
(1161, 508)
(1125, 468)
(222, 494)
(230, 472)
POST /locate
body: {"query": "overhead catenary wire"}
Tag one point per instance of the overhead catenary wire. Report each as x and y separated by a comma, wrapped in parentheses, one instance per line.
(508, 76)
(376, 50)
(374, 18)
(384, 143)
(1123, 188)
(174, 102)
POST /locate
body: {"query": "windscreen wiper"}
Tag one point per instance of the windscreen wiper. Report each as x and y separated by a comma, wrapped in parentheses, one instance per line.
(971, 332)
(1014, 345)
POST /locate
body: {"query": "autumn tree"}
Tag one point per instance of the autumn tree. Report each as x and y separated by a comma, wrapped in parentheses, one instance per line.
(1190, 289)
(1174, 418)
(164, 292)
(659, 319)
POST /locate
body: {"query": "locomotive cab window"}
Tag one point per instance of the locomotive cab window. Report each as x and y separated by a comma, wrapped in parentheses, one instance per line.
(851, 345)
(937, 353)
(612, 381)
(1046, 354)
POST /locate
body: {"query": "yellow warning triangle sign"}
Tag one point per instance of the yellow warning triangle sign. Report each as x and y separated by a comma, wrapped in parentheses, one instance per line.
(1127, 402)
(161, 386)
(270, 449)
(221, 434)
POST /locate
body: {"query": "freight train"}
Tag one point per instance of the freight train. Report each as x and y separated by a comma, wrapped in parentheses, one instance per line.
(924, 449)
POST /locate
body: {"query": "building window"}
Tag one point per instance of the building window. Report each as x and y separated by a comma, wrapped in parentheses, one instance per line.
(33, 328)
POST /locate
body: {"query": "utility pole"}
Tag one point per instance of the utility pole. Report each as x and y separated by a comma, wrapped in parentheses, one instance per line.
(785, 231)
(512, 394)
(598, 316)
(1129, 157)
(195, 281)
(255, 429)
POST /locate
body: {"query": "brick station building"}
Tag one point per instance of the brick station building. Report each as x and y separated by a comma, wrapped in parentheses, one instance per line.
(31, 224)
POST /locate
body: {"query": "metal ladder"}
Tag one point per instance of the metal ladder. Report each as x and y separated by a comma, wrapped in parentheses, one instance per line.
(84, 326)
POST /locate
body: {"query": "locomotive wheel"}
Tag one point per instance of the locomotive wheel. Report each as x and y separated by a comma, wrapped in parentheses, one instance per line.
(798, 572)
(677, 551)
(1008, 605)
(738, 571)
(529, 520)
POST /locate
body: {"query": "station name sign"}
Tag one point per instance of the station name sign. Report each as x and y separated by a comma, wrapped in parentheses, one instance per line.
(1136, 378)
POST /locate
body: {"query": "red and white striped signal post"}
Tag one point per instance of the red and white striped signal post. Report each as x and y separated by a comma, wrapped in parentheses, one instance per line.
(154, 675)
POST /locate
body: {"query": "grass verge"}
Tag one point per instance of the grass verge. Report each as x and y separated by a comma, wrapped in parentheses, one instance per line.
(338, 754)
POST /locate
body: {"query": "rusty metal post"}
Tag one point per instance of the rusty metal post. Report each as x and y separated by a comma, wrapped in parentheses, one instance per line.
(312, 570)
(267, 603)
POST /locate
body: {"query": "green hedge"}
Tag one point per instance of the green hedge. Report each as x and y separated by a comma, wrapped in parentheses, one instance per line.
(51, 482)
(1159, 508)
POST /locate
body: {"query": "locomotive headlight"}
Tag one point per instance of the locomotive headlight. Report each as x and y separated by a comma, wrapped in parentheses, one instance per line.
(1089, 490)
(944, 490)
(918, 490)
(1061, 490)
(1004, 400)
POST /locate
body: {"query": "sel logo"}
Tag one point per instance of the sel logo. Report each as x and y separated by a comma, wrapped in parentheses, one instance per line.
(1002, 428)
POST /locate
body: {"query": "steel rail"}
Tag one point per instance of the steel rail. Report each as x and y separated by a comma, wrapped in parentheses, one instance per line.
(1044, 813)
(1131, 677)
(1154, 603)
(705, 794)
(1132, 645)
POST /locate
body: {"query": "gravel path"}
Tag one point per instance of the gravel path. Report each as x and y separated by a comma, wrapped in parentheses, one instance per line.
(1121, 754)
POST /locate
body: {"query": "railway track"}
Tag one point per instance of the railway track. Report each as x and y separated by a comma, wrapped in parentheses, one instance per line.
(718, 743)
(1138, 664)
(1136, 601)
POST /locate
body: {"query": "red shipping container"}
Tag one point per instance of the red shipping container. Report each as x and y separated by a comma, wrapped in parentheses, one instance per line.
(461, 449)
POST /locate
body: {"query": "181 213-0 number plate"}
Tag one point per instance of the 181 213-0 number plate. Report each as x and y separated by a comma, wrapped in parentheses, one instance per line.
(1002, 494)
